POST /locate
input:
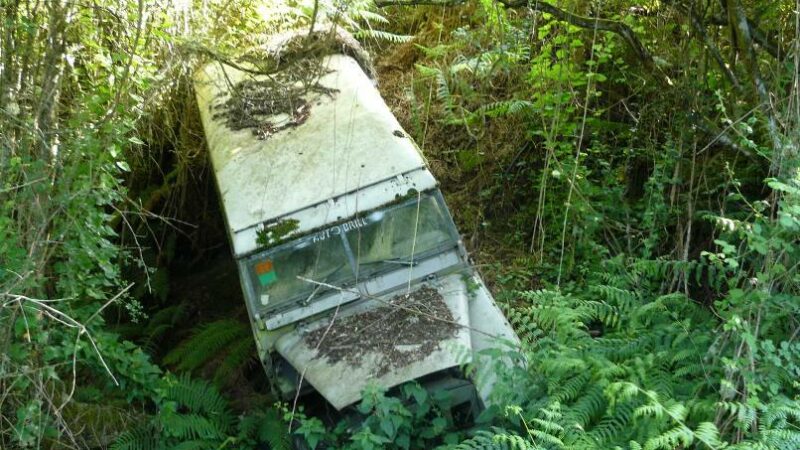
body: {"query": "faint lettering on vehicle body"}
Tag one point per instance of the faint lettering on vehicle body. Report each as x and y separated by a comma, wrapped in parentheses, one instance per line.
(339, 229)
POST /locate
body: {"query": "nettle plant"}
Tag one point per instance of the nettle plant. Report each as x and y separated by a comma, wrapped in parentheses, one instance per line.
(415, 418)
(760, 389)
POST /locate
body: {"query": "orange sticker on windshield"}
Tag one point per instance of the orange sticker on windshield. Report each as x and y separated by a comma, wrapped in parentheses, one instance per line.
(264, 267)
(265, 272)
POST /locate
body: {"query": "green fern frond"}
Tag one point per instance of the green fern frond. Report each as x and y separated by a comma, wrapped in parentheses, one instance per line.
(427, 72)
(591, 403)
(612, 425)
(368, 15)
(619, 297)
(273, 430)
(571, 388)
(780, 439)
(200, 397)
(137, 438)
(380, 35)
(501, 109)
(197, 444)
(191, 427)
(435, 52)
(237, 357)
(677, 437)
(708, 434)
(495, 439)
(206, 343)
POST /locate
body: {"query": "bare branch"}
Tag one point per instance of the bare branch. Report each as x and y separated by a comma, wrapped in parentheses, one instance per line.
(385, 3)
(712, 48)
(65, 319)
(612, 26)
(738, 20)
(764, 41)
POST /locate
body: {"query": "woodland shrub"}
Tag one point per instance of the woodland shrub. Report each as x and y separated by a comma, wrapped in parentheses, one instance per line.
(627, 171)
(82, 87)
(656, 196)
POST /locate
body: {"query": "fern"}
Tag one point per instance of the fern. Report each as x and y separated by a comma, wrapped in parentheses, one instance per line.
(194, 415)
(272, 430)
(625, 365)
(191, 427)
(198, 444)
(611, 427)
(501, 109)
(239, 355)
(368, 15)
(137, 438)
(200, 397)
(496, 439)
(676, 437)
(380, 35)
(226, 344)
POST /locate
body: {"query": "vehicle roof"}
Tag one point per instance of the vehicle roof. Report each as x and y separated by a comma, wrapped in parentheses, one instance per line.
(348, 141)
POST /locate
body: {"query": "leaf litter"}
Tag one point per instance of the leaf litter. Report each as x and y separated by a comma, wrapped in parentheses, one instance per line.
(288, 69)
(405, 330)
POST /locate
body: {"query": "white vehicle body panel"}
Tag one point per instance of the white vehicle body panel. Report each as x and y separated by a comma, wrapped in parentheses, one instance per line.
(342, 383)
(345, 206)
(350, 142)
(489, 330)
(350, 155)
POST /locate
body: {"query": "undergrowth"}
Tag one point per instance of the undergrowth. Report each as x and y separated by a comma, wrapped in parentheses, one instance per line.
(637, 213)
(192, 414)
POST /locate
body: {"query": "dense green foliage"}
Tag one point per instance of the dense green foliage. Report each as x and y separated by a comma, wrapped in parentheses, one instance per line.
(625, 172)
(82, 86)
(193, 415)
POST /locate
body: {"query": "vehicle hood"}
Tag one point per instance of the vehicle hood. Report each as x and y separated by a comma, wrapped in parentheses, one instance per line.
(387, 340)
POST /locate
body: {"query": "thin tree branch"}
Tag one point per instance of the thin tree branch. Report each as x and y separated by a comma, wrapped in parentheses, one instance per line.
(385, 3)
(313, 17)
(766, 42)
(759, 36)
(738, 21)
(619, 28)
(613, 26)
(712, 48)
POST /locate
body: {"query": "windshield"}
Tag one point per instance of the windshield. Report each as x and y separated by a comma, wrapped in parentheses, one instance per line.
(390, 239)
(384, 240)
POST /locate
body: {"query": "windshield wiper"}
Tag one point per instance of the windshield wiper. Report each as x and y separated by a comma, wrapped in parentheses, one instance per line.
(400, 261)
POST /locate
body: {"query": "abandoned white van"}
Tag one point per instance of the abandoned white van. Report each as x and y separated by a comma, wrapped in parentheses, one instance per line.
(351, 266)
